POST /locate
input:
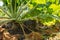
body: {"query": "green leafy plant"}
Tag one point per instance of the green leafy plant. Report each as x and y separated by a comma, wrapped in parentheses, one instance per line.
(14, 9)
(17, 11)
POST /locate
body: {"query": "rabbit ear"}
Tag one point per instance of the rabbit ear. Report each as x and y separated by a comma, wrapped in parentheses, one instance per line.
(8, 36)
(1, 29)
(0, 26)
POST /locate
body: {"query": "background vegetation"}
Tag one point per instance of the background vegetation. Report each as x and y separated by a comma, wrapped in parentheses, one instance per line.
(48, 11)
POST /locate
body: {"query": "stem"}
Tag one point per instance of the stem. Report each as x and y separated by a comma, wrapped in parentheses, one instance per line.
(23, 30)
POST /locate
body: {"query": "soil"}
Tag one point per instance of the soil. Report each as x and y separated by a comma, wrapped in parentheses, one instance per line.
(13, 28)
